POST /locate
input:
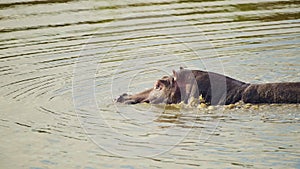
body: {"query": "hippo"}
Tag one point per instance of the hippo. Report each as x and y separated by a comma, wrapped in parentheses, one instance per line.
(215, 89)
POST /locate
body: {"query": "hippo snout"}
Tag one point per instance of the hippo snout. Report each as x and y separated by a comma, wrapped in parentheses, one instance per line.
(126, 99)
(122, 98)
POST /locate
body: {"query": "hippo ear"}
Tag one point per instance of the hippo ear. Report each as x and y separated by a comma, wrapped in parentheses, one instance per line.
(172, 82)
(175, 75)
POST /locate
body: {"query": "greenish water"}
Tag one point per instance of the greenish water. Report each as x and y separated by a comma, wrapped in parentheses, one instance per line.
(62, 63)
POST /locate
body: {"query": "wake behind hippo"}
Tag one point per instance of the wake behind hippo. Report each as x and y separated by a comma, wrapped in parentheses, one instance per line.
(216, 89)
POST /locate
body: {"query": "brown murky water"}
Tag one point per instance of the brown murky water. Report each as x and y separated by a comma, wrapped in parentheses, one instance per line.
(62, 63)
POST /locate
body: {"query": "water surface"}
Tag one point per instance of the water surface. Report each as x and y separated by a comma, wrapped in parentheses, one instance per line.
(62, 63)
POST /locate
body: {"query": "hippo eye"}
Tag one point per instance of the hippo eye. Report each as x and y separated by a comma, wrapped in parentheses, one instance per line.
(157, 86)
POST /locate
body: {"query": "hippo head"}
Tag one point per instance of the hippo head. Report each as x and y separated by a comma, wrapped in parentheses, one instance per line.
(164, 91)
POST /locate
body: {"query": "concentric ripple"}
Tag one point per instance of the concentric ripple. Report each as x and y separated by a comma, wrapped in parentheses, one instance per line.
(62, 62)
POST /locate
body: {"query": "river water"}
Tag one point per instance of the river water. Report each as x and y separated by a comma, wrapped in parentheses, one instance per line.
(62, 62)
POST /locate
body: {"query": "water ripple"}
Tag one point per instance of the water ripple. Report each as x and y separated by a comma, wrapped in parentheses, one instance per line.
(131, 44)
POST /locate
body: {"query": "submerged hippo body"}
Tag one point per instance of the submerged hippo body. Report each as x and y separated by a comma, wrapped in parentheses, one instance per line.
(216, 89)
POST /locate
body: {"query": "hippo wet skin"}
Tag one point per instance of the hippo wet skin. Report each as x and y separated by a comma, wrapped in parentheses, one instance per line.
(216, 89)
